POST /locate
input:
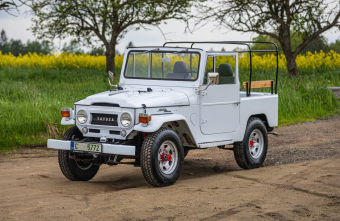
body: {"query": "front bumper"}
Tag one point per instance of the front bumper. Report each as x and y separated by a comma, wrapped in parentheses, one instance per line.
(107, 148)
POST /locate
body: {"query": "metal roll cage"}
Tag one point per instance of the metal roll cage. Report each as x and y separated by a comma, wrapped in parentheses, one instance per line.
(249, 51)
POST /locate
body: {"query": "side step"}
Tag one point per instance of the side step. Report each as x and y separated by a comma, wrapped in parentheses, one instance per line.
(214, 144)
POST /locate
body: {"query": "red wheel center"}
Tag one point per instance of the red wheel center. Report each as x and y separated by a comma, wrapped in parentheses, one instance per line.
(162, 156)
(166, 157)
(169, 157)
(251, 143)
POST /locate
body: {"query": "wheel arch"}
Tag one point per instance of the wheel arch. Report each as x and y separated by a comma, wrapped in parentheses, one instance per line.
(182, 129)
(175, 122)
(264, 119)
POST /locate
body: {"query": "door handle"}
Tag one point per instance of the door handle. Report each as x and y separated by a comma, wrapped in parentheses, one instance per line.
(237, 102)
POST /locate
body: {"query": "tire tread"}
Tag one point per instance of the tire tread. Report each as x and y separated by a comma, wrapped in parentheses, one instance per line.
(239, 153)
(146, 163)
(64, 161)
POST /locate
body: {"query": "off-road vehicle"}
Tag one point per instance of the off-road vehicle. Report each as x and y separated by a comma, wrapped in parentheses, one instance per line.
(169, 100)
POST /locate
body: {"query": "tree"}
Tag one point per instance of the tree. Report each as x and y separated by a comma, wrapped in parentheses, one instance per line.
(17, 47)
(130, 44)
(106, 21)
(278, 19)
(99, 51)
(4, 45)
(335, 46)
(72, 47)
(316, 45)
(43, 47)
(3, 38)
(7, 6)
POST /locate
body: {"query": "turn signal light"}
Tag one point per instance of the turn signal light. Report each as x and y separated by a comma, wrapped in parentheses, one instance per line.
(144, 118)
(65, 112)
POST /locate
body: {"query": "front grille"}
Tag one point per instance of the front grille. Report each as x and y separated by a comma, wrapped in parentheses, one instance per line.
(105, 119)
(94, 131)
(105, 104)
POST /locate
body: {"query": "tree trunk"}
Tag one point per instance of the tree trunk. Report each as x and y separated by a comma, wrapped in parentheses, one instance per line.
(290, 57)
(291, 65)
(110, 59)
(285, 42)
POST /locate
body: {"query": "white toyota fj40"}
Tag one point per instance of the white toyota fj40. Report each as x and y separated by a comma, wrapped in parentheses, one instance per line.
(169, 100)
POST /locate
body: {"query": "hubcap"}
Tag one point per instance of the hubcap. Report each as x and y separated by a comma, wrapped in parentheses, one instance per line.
(256, 143)
(167, 157)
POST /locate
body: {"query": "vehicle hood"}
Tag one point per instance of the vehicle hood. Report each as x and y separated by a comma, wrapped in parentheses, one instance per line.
(135, 99)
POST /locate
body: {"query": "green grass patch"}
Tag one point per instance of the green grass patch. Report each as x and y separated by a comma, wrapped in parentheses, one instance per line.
(30, 99)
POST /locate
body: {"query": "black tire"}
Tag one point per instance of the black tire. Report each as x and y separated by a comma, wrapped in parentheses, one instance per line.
(151, 166)
(245, 156)
(73, 170)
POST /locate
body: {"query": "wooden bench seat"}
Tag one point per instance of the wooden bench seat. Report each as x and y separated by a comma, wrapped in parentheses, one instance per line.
(259, 84)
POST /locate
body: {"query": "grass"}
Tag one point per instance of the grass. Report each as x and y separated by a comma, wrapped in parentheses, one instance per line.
(30, 99)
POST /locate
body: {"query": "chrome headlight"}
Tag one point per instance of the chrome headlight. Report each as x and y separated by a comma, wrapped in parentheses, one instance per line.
(81, 117)
(125, 120)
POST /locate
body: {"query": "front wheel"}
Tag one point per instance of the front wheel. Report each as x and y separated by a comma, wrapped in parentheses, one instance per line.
(72, 169)
(162, 157)
(252, 151)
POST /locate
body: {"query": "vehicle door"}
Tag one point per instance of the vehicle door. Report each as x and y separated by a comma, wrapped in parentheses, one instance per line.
(220, 109)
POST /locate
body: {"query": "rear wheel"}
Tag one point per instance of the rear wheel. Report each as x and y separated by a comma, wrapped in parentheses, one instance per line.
(162, 157)
(252, 151)
(72, 169)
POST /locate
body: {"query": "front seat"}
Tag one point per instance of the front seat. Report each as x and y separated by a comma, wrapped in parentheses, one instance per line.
(180, 71)
(226, 74)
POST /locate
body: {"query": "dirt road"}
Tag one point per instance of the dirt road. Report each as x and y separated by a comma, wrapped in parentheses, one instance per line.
(299, 181)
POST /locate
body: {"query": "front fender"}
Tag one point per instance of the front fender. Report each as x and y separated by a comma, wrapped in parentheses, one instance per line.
(157, 121)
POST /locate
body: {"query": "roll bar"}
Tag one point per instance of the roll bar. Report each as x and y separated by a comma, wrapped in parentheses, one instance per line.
(246, 43)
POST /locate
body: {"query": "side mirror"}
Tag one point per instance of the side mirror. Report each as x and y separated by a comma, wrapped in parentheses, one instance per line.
(111, 79)
(213, 77)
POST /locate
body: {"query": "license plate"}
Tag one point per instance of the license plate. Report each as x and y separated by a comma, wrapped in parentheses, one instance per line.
(88, 147)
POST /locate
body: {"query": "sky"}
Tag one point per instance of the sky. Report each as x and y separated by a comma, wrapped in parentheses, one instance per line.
(16, 27)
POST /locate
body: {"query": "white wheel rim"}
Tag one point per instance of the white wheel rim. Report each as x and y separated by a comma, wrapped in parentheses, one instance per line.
(167, 157)
(256, 143)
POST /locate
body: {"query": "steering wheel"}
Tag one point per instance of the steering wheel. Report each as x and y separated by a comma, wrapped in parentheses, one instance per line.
(189, 73)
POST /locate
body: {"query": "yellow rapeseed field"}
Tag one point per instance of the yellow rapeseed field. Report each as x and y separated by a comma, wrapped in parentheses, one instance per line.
(330, 60)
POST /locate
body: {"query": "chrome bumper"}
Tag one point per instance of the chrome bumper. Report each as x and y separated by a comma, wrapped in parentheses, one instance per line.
(107, 148)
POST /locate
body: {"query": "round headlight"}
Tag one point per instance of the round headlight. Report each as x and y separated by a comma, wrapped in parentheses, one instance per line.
(81, 117)
(125, 119)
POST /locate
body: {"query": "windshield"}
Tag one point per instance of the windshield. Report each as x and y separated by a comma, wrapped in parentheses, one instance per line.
(180, 65)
